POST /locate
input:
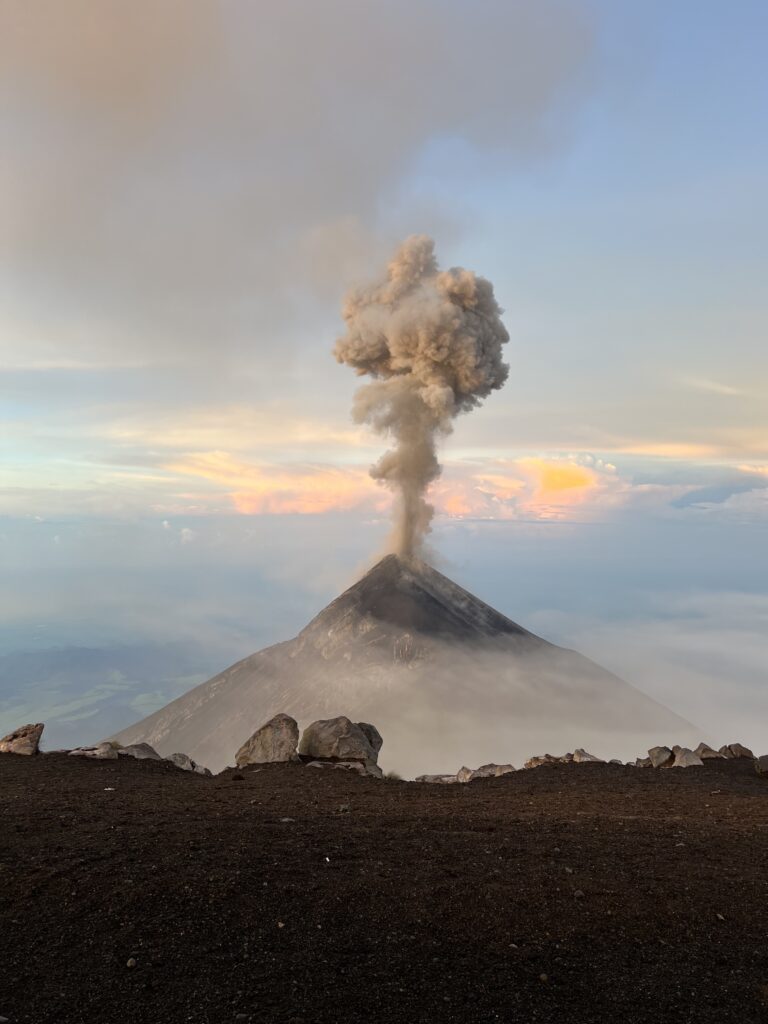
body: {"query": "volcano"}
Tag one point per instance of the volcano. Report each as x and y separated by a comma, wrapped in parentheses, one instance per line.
(446, 679)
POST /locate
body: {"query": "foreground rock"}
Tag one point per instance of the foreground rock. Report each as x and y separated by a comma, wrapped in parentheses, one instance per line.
(185, 762)
(685, 758)
(24, 740)
(661, 757)
(340, 739)
(275, 741)
(101, 752)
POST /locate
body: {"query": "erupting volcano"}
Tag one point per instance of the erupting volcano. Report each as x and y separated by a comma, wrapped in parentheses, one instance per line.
(446, 679)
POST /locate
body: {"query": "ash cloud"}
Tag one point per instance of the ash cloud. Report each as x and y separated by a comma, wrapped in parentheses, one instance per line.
(185, 173)
(432, 342)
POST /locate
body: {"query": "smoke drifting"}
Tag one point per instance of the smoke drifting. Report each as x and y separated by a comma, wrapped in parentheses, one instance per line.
(432, 340)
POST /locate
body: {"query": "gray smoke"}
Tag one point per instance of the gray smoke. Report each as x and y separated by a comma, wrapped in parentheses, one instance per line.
(432, 340)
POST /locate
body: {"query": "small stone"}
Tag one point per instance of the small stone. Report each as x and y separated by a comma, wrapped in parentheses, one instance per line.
(578, 894)
(131, 962)
(543, 977)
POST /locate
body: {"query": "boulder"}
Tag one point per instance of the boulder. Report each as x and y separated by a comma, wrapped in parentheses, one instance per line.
(102, 752)
(643, 762)
(275, 741)
(580, 756)
(141, 751)
(761, 765)
(185, 762)
(24, 740)
(685, 758)
(736, 750)
(661, 757)
(615, 760)
(707, 753)
(444, 780)
(339, 739)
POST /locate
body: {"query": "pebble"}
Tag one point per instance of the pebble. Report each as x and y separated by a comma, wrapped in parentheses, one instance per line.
(578, 895)
(131, 962)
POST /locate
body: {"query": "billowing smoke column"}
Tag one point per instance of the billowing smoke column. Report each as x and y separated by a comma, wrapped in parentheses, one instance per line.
(432, 341)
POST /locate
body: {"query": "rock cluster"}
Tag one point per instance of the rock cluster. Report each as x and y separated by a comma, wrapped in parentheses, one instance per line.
(485, 771)
(579, 756)
(328, 743)
(24, 740)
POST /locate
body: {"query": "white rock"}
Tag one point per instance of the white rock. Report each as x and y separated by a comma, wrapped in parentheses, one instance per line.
(339, 738)
(736, 750)
(101, 752)
(185, 762)
(706, 753)
(685, 758)
(24, 740)
(275, 741)
(661, 757)
(141, 751)
(580, 756)
(445, 780)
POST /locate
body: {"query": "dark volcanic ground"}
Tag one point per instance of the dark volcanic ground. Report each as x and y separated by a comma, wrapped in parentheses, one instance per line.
(570, 894)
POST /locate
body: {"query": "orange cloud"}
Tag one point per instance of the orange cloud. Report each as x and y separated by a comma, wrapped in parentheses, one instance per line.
(502, 489)
(558, 482)
(273, 490)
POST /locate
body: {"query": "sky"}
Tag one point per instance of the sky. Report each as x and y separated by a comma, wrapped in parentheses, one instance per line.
(189, 189)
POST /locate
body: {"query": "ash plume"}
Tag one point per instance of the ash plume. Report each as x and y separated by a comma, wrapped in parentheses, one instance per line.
(432, 342)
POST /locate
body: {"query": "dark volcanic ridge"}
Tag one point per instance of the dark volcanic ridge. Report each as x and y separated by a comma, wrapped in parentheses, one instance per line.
(445, 678)
(587, 893)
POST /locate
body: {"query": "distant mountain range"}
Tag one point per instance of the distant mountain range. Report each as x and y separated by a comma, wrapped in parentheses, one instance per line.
(445, 678)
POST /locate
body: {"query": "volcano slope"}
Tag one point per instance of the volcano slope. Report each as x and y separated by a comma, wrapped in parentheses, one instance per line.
(581, 893)
(445, 678)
